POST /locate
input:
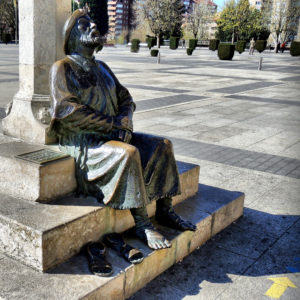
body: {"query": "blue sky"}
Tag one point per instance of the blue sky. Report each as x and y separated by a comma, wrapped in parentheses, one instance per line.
(219, 3)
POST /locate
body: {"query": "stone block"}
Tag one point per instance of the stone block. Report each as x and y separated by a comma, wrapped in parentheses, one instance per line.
(45, 235)
(72, 279)
(31, 181)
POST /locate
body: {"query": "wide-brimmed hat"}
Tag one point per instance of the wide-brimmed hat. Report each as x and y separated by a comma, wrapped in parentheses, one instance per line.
(71, 21)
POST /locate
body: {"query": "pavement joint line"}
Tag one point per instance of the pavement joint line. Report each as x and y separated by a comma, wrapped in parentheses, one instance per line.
(271, 245)
(266, 100)
(156, 88)
(238, 159)
(169, 105)
(250, 85)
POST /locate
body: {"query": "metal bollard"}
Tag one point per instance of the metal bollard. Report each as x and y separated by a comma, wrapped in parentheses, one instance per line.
(158, 57)
(260, 63)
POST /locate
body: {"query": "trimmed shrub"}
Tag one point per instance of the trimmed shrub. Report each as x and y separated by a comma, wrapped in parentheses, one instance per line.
(151, 41)
(135, 45)
(226, 51)
(240, 46)
(6, 38)
(193, 43)
(260, 45)
(189, 51)
(295, 48)
(214, 44)
(174, 42)
(154, 52)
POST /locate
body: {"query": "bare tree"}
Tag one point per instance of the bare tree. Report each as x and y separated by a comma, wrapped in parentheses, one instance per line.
(161, 15)
(282, 16)
(198, 19)
(8, 15)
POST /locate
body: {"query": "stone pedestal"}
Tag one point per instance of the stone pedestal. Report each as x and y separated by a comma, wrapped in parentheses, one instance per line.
(41, 23)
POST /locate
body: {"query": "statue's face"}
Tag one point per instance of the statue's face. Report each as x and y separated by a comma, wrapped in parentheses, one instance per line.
(88, 32)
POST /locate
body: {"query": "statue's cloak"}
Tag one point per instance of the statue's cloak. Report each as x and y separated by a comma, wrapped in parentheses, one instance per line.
(86, 96)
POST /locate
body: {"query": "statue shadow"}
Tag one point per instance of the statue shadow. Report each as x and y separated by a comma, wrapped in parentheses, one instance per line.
(255, 245)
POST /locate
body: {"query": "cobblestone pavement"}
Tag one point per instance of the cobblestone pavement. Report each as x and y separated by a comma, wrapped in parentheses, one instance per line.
(242, 126)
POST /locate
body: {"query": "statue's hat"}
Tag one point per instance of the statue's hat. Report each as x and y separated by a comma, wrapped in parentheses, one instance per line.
(71, 21)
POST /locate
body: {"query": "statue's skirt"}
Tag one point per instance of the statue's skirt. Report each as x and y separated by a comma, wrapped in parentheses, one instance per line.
(128, 175)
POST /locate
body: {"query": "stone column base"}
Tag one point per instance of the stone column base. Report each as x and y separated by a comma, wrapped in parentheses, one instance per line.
(28, 119)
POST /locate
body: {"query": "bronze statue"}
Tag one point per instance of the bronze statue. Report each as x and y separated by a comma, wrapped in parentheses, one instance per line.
(92, 118)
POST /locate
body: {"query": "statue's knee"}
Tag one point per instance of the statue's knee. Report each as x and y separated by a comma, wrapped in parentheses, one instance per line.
(168, 144)
(131, 151)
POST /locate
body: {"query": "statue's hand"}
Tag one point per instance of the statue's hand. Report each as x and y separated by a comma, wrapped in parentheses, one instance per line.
(123, 136)
(123, 123)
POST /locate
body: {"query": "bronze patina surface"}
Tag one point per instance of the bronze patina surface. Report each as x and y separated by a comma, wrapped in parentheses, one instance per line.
(92, 118)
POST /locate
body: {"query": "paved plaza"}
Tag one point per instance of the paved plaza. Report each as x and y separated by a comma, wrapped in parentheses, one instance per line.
(242, 126)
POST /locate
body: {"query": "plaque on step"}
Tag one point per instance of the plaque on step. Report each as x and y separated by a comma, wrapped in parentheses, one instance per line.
(42, 156)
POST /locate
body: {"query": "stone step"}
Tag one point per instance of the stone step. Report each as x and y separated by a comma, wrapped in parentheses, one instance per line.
(44, 235)
(212, 209)
(32, 180)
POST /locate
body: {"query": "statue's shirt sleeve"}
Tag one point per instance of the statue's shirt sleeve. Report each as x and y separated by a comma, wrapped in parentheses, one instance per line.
(68, 108)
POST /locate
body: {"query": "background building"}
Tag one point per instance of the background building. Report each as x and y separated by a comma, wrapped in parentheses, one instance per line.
(120, 17)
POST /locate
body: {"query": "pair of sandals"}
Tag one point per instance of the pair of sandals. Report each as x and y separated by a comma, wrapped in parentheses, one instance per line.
(96, 254)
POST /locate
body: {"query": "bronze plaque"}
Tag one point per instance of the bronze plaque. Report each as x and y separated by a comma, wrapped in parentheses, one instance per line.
(42, 156)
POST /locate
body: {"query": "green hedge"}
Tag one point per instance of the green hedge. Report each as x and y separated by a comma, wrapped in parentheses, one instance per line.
(151, 41)
(226, 51)
(214, 44)
(135, 45)
(260, 45)
(154, 52)
(240, 46)
(6, 38)
(193, 43)
(295, 48)
(189, 51)
(174, 42)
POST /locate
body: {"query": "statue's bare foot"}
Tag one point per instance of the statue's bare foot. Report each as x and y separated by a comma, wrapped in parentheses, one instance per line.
(152, 237)
(171, 219)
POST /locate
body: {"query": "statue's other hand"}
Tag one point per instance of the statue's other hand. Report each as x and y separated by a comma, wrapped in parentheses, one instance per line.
(124, 123)
(123, 135)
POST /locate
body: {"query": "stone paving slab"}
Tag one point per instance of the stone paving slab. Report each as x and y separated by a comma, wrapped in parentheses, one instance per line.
(212, 210)
(165, 101)
(239, 158)
(244, 87)
(266, 100)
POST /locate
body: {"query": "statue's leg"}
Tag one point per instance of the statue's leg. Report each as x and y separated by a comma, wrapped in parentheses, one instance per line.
(165, 215)
(146, 231)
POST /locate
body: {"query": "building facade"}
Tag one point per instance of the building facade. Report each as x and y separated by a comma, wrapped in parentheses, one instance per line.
(211, 27)
(120, 17)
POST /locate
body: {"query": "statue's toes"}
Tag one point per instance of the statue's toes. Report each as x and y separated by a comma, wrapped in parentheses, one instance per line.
(186, 225)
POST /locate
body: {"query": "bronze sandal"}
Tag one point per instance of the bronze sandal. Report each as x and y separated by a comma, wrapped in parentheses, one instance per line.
(97, 261)
(116, 242)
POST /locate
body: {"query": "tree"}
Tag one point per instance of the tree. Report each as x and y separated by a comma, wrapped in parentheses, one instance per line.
(227, 22)
(9, 15)
(98, 12)
(163, 16)
(198, 18)
(281, 15)
(241, 21)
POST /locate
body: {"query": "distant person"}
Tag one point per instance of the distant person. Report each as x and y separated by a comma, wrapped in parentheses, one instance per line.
(282, 47)
(278, 47)
(252, 46)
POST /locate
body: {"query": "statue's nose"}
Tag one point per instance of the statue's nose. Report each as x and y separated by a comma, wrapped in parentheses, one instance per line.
(93, 25)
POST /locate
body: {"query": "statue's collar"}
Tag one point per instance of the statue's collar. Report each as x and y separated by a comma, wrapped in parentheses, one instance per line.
(85, 63)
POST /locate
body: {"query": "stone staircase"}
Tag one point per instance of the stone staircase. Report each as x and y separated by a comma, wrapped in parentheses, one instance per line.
(48, 236)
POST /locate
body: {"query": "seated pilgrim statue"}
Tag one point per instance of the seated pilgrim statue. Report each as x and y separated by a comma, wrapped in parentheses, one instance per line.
(92, 119)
